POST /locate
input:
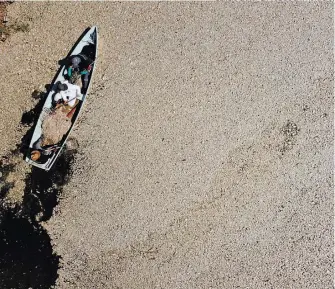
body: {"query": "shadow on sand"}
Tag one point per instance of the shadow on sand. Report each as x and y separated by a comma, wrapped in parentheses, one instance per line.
(27, 259)
(43, 188)
(29, 118)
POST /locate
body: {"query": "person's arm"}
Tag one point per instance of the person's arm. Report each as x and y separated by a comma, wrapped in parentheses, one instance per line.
(79, 95)
(85, 80)
(69, 71)
(57, 97)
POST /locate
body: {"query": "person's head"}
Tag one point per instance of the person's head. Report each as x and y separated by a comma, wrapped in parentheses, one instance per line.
(62, 86)
(35, 155)
(75, 61)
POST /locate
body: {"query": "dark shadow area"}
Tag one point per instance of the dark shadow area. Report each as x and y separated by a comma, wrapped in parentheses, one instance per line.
(26, 256)
(27, 259)
(5, 188)
(43, 188)
(30, 118)
(89, 50)
(63, 62)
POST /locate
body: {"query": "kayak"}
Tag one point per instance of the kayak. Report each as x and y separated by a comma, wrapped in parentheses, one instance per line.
(44, 156)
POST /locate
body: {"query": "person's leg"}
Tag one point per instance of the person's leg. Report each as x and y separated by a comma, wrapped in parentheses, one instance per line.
(84, 79)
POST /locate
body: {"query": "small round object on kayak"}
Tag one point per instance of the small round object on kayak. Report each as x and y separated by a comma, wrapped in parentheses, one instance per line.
(75, 61)
(35, 155)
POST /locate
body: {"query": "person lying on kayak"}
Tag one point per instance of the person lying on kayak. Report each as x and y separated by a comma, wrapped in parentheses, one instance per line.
(67, 93)
(81, 64)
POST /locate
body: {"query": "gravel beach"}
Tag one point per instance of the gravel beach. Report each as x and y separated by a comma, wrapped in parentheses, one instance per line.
(205, 146)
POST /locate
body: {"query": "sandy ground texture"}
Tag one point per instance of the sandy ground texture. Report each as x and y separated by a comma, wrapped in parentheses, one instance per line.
(206, 144)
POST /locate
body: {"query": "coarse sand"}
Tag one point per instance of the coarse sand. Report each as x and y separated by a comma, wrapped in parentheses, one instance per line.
(206, 143)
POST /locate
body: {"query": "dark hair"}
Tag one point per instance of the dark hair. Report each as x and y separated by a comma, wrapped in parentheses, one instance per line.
(62, 86)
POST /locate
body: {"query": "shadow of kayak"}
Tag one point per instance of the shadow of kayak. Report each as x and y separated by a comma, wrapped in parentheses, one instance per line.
(43, 189)
(27, 259)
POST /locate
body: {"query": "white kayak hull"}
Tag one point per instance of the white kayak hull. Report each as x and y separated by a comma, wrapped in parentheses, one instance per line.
(90, 37)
